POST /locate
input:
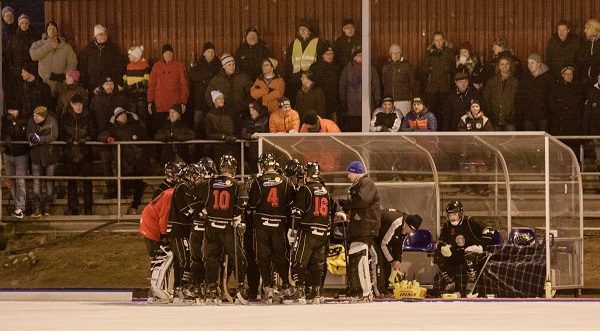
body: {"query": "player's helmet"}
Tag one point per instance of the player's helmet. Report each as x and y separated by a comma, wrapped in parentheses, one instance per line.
(210, 169)
(173, 170)
(454, 207)
(265, 161)
(293, 168)
(228, 163)
(193, 173)
(312, 170)
(524, 237)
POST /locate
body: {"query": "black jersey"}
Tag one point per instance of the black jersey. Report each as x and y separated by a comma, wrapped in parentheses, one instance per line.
(271, 196)
(467, 233)
(184, 207)
(312, 209)
(201, 193)
(165, 185)
(227, 198)
(390, 236)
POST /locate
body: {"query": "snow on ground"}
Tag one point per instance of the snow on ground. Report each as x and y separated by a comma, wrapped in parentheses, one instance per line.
(445, 316)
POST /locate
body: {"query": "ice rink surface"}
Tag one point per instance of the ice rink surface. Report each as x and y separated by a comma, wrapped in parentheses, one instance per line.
(92, 316)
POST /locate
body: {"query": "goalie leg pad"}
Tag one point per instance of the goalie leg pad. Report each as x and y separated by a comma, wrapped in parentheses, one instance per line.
(160, 267)
(360, 277)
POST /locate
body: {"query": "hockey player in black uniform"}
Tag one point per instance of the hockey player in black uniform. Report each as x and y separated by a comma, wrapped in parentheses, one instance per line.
(309, 233)
(461, 240)
(362, 206)
(271, 197)
(395, 226)
(226, 202)
(172, 173)
(294, 171)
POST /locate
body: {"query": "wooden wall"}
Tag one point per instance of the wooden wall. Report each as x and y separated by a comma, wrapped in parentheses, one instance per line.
(527, 24)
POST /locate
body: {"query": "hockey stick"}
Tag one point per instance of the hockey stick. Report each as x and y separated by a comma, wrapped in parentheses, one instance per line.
(226, 279)
(487, 258)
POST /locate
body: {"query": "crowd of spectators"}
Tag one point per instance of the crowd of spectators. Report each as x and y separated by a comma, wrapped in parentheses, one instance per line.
(53, 94)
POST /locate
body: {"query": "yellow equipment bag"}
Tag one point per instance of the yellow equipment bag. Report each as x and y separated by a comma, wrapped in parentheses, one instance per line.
(336, 260)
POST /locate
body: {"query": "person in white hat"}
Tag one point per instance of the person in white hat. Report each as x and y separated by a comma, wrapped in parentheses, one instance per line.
(101, 58)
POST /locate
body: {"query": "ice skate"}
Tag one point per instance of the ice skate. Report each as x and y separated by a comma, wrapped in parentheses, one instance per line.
(267, 295)
(297, 297)
(241, 297)
(199, 295)
(362, 298)
(314, 296)
(183, 296)
(212, 297)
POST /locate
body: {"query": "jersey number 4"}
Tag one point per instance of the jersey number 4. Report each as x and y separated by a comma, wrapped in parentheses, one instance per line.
(273, 197)
(321, 207)
(222, 199)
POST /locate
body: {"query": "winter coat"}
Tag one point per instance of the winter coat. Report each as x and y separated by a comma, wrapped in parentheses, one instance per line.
(103, 106)
(382, 122)
(44, 153)
(171, 132)
(327, 77)
(566, 108)
(588, 58)
(134, 158)
(424, 121)
(560, 54)
(469, 123)
(351, 88)
(532, 96)
(17, 52)
(500, 97)
(591, 111)
(235, 88)
(219, 123)
(65, 93)
(458, 104)
(398, 80)
(472, 67)
(258, 125)
(342, 48)
(136, 80)
(75, 131)
(14, 130)
(36, 93)
(278, 122)
(53, 63)
(311, 99)
(325, 126)
(168, 85)
(200, 75)
(7, 31)
(100, 61)
(364, 210)
(268, 93)
(248, 59)
(437, 69)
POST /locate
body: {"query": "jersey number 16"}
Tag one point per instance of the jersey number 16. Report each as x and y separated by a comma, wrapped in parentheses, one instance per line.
(321, 207)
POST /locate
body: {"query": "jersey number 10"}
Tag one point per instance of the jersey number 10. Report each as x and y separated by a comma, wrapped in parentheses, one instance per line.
(222, 199)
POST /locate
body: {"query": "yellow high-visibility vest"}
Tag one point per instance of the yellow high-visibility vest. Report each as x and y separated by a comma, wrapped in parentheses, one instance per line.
(302, 60)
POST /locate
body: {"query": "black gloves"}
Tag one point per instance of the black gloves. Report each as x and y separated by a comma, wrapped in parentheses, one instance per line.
(58, 77)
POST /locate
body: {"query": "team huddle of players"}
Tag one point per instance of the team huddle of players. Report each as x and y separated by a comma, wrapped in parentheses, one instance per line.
(198, 216)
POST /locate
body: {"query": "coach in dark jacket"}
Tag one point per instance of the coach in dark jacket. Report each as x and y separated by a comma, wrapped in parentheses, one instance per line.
(175, 130)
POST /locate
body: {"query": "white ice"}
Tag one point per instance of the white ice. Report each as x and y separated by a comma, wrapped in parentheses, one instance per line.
(44, 315)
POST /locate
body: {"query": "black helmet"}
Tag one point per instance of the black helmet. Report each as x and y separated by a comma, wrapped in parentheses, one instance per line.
(312, 170)
(265, 161)
(173, 170)
(193, 172)
(454, 207)
(228, 163)
(210, 169)
(293, 168)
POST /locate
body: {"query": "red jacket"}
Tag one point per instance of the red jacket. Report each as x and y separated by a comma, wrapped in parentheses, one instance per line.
(168, 85)
(155, 216)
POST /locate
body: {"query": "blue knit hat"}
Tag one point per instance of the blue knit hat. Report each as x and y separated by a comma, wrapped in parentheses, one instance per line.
(356, 167)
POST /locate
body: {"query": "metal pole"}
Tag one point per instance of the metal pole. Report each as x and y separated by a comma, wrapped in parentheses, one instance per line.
(547, 196)
(242, 157)
(118, 182)
(366, 64)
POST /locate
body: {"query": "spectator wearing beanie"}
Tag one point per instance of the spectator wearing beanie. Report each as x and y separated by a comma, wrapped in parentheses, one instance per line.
(475, 119)
(285, 119)
(136, 80)
(220, 125)
(344, 44)
(68, 89)
(398, 79)
(532, 96)
(101, 58)
(326, 75)
(565, 103)
(9, 25)
(15, 156)
(201, 73)
(35, 91)
(312, 122)
(168, 85)
(42, 129)
(386, 118)
(561, 49)
(309, 96)
(501, 50)
(16, 55)
(54, 55)
(458, 101)
(251, 52)
(269, 86)
(175, 129)
(235, 86)
(588, 58)
(419, 119)
(78, 127)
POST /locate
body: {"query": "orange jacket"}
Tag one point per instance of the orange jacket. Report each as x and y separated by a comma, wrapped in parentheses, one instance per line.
(280, 123)
(168, 85)
(155, 216)
(325, 124)
(270, 94)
